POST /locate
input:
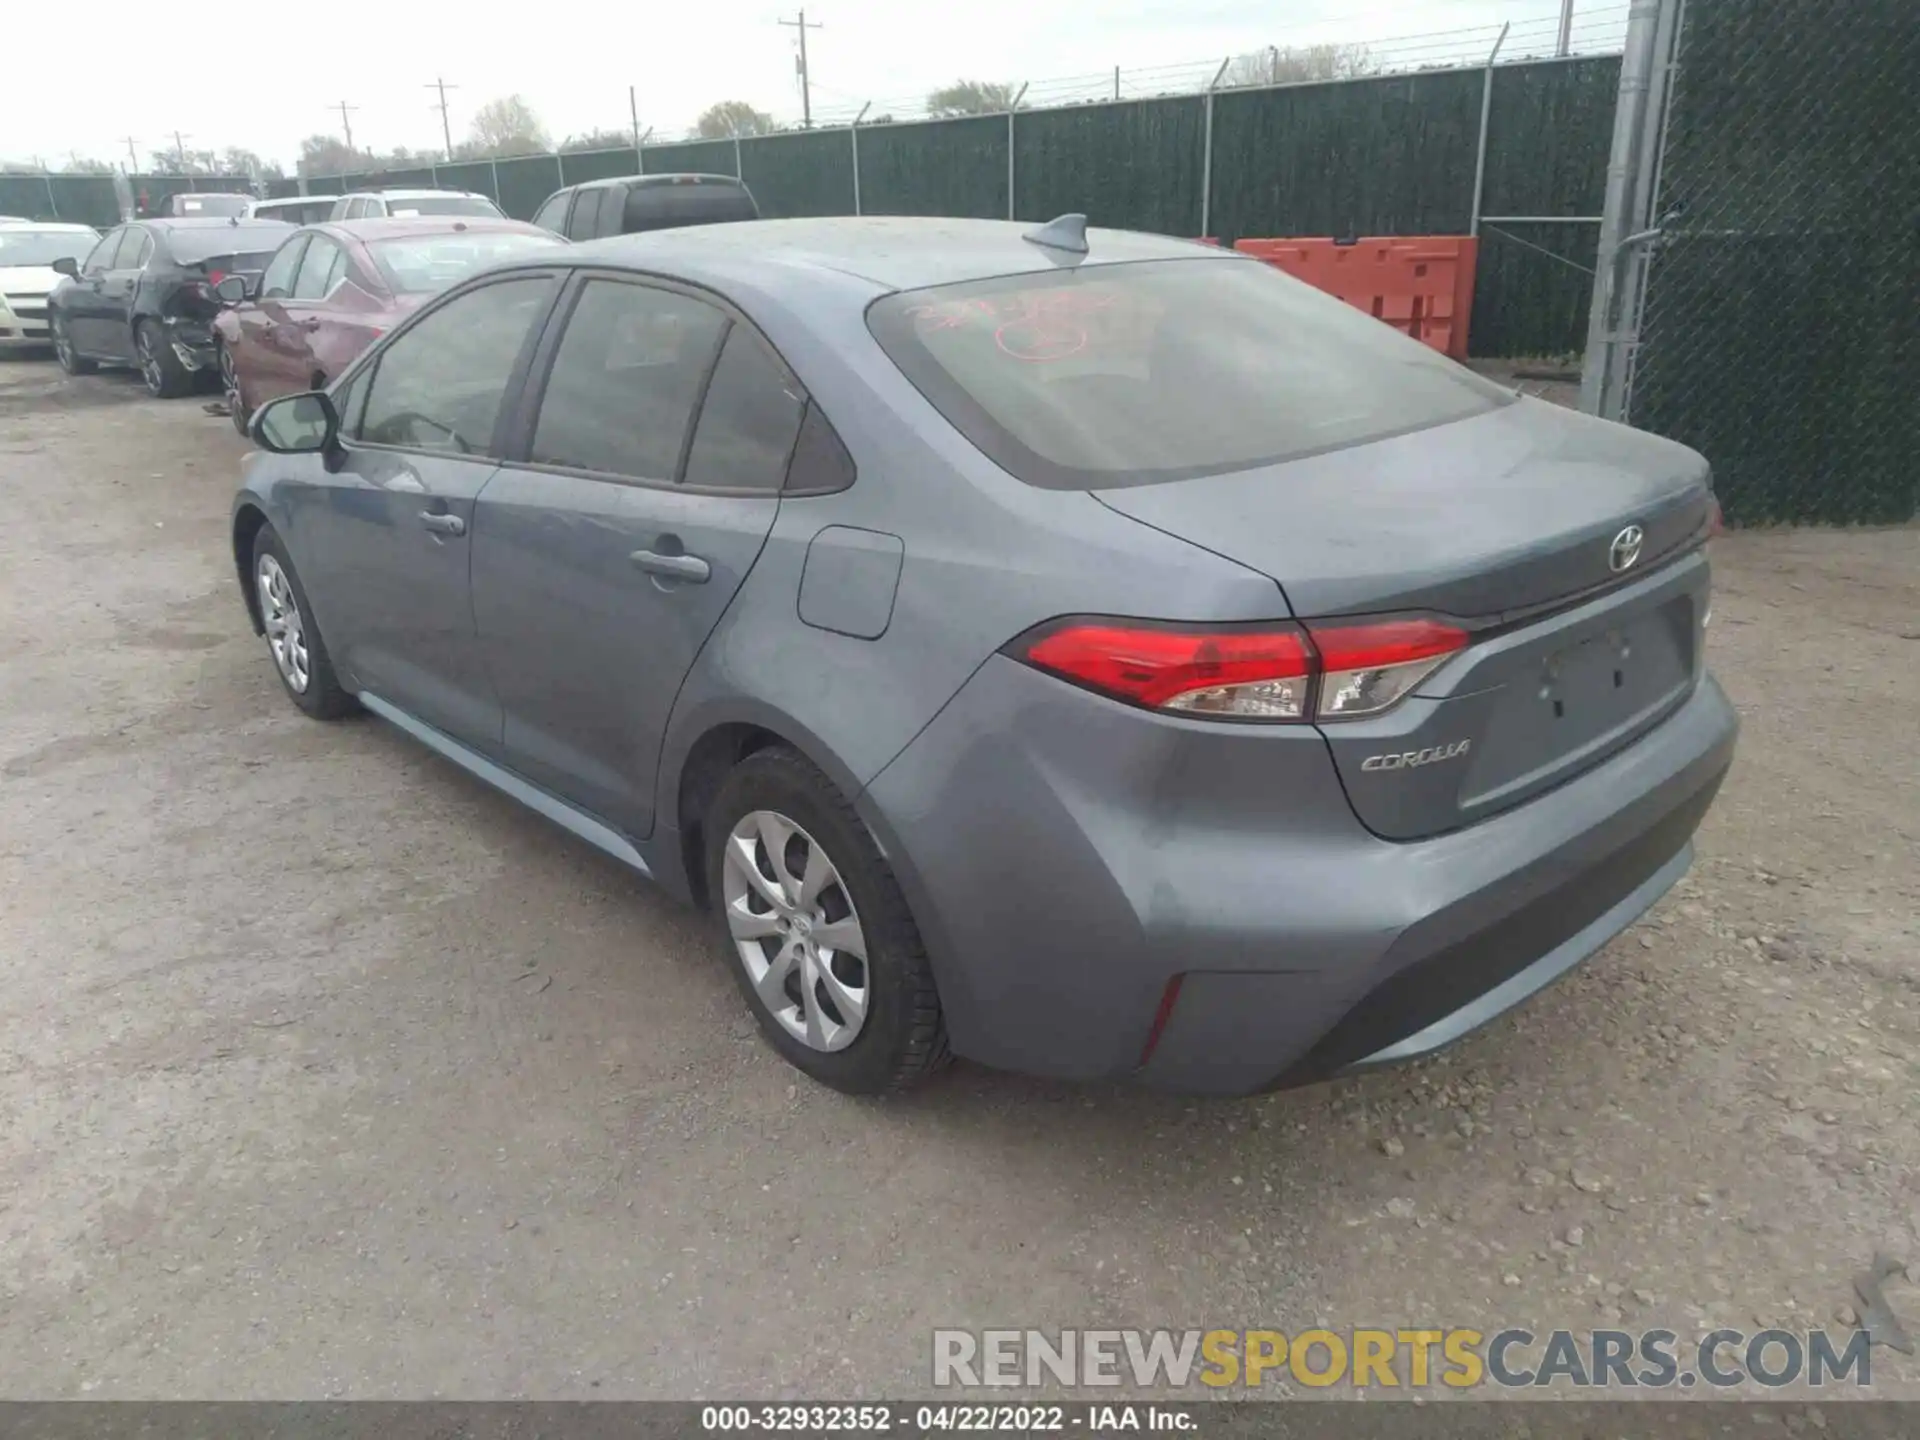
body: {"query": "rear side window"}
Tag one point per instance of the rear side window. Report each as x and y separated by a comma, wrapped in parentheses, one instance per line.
(748, 421)
(277, 283)
(132, 242)
(318, 270)
(584, 224)
(1110, 375)
(553, 215)
(624, 381)
(439, 386)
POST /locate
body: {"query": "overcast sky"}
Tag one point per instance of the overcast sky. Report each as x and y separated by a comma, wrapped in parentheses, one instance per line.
(267, 77)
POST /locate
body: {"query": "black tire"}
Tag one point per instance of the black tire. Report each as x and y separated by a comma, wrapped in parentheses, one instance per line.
(903, 1039)
(323, 698)
(229, 383)
(166, 378)
(71, 360)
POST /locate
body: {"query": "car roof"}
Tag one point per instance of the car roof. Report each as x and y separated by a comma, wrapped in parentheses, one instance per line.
(678, 177)
(404, 194)
(388, 227)
(60, 226)
(210, 222)
(888, 252)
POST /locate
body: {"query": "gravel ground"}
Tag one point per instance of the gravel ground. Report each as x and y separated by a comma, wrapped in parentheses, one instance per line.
(325, 1071)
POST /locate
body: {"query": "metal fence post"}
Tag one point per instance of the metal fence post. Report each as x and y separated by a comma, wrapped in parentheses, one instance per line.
(1486, 114)
(738, 173)
(52, 199)
(1012, 109)
(1206, 152)
(560, 164)
(853, 140)
(1621, 229)
(494, 166)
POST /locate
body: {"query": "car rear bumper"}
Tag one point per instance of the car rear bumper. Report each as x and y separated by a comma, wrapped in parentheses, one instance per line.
(192, 342)
(1068, 858)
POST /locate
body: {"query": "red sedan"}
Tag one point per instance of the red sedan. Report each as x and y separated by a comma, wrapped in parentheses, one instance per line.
(332, 289)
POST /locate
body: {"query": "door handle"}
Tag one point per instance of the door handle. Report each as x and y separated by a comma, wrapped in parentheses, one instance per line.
(312, 322)
(443, 524)
(690, 568)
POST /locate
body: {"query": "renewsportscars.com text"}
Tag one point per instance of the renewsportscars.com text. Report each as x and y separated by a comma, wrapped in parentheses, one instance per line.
(1399, 1359)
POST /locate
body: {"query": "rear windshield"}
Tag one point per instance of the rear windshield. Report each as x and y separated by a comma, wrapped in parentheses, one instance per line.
(1111, 375)
(660, 207)
(237, 242)
(43, 247)
(294, 212)
(208, 204)
(443, 205)
(424, 264)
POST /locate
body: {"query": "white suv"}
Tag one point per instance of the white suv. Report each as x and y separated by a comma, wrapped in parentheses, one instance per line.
(376, 204)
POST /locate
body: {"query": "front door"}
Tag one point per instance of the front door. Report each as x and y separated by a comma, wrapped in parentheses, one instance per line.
(84, 304)
(392, 530)
(257, 363)
(608, 546)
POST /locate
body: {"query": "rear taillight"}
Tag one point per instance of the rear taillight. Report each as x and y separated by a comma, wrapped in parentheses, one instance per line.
(1245, 672)
(1369, 668)
(214, 277)
(1716, 523)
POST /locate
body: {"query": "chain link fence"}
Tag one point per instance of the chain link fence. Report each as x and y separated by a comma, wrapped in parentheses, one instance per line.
(1779, 332)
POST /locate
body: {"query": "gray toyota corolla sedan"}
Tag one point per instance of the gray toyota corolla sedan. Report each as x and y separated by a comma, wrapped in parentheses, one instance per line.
(1084, 652)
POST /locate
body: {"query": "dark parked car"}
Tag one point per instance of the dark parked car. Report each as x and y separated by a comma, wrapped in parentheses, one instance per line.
(1096, 653)
(331, 290)
(633, 203)
(144, 296)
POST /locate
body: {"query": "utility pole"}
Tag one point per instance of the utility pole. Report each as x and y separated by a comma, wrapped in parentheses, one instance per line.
(802, 25)
(1566, 28)
(180, 150)
(346, 124)
(446, 125)
(133, 160)
(633, 113)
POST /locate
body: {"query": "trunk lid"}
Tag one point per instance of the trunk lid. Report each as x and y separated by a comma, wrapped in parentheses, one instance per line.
(1481, 518)
(1507, 523)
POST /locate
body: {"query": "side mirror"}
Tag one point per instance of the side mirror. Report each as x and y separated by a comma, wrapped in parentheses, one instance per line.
(233, 289)
(68, 266)
(305, 424)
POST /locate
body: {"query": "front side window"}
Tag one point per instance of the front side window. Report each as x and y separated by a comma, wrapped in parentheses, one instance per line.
(748, 421)
(625, 380)
(277, 283)
(101, 256)
(440, 385)
(317, 270)
(1130, 374)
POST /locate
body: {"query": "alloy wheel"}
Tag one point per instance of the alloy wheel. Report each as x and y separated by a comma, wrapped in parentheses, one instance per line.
(286, 632)
(794, 926)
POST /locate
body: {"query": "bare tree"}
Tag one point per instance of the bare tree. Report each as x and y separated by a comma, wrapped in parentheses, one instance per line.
(1286, 64)
(732, 117)
(506, 126)
(236, 160)
(970, 97)
(599, 140)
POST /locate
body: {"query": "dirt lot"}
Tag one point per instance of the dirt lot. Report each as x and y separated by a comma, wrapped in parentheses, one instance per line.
(325, 1071)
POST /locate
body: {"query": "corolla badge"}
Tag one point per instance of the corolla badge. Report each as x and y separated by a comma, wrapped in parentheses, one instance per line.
(1624, 553)
(1412, 759)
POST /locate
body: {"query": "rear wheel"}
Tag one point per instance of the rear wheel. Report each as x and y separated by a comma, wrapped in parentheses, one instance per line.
(817, 932)
(71, 360)
(230, 387)
(166, 377)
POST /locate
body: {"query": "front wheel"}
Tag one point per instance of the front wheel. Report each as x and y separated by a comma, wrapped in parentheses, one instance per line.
(817, 932)
(71, 360)
(166, 377)
(299, 653)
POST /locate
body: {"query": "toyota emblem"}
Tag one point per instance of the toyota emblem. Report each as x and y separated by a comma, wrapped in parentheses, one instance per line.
(1625, 550)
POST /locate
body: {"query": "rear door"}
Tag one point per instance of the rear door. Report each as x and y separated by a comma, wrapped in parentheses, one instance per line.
(615, 535)
(118, 290)
(257, 361)
(298, 316)
(390, 532)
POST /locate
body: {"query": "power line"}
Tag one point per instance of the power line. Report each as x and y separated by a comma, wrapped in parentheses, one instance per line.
(802, 25)
(446, 125)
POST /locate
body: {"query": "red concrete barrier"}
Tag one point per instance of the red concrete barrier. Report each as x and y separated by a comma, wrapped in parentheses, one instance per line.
(1422, 285)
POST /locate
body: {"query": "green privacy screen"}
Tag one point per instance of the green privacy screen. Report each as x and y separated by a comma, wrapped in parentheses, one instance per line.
(1132, 166)
(935, 167)
(800, 172)
(1380, 156)
(75, 199)
(1781, 330)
